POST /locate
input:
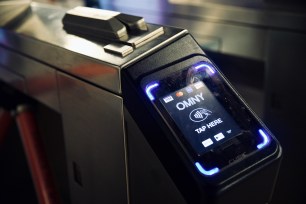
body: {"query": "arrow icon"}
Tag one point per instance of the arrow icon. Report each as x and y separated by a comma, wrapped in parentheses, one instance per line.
(229, 131)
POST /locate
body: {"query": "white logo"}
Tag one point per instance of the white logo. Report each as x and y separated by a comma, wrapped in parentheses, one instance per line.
(168, 99)
(190, 101)
(199, 114)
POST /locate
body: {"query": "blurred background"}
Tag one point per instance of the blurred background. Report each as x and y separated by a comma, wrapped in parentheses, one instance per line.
(260, 46)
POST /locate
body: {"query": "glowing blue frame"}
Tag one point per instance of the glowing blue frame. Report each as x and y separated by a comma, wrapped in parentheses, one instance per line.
(206, 172)
(205, 66)
(265, 137)
(149, 88)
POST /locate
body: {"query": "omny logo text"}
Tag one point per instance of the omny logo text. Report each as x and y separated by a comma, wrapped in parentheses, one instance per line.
(190, 101)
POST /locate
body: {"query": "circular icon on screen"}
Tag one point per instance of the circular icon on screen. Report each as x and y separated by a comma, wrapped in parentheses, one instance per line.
(199, 114)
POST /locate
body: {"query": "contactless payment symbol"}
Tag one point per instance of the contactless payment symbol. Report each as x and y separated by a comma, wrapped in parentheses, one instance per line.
(199, 114)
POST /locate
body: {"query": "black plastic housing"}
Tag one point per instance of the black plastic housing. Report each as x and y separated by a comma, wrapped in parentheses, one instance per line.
(249, 179)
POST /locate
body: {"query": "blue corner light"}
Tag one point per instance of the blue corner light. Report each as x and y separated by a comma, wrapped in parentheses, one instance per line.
(206, 172)
(265, 138)
(200, 66)
(149, 88)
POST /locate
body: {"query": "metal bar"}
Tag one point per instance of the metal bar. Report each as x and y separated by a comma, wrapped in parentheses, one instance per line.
(36, 156)
(5, 122)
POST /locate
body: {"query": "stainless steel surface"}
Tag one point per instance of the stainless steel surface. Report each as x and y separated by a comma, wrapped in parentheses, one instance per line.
(95, 142)
(153, 33)
(12, 79)
(146, 170)
(10, 11)
(42, 37)
(119, 49)
(81, 82)
(39, 79)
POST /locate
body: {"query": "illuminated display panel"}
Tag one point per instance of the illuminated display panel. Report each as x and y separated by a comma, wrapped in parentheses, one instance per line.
(212, 123)
(200, 117)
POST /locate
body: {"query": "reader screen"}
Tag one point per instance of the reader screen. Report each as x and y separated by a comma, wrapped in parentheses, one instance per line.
(200, 117)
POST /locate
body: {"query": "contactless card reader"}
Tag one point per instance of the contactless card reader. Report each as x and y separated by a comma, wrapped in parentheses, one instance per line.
(227, 150)
(207, 116)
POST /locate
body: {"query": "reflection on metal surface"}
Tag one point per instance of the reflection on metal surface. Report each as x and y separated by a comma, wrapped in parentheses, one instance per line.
(36, 79)
(119, 49)
(12, 11)
(41, 36)
(154, 32)
(83, 46)
(94, 71)
(12, 79)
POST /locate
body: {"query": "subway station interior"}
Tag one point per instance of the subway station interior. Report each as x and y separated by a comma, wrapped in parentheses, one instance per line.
(152, 101)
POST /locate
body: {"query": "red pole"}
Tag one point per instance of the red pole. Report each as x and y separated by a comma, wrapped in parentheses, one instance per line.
(5, 122)
(36, 157)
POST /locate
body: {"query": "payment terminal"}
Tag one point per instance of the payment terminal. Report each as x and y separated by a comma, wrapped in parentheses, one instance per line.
(224, 147)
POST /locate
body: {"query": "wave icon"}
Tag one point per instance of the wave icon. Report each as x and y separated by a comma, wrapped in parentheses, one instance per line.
(199, 114)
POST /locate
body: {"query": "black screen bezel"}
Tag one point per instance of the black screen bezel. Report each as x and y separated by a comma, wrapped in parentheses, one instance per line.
(249, 123)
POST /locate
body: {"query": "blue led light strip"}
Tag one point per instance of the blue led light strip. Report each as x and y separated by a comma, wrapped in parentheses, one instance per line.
(265, 138)
(205, 66)
(149, 88)
(206, 172)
